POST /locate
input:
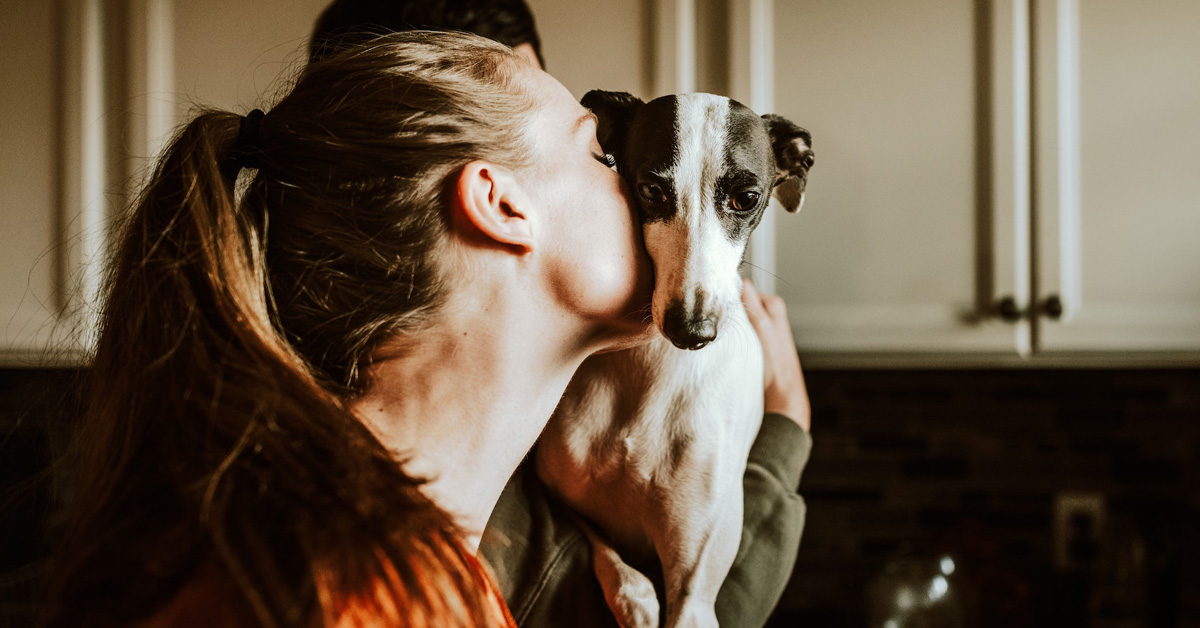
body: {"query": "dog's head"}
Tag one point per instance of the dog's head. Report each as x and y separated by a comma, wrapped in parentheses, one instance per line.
(702, 168)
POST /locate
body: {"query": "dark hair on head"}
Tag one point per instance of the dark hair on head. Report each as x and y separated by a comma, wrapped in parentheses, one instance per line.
(217, 436)
(351, 22)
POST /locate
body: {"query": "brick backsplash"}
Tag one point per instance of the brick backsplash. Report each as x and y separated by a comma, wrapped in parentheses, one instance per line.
(904, 461)
(36, 406)
(971, 461)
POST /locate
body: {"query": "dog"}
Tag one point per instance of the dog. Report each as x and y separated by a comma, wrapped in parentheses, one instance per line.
(650, 444)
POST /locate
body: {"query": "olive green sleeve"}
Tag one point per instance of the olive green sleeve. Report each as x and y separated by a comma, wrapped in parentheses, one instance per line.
(773, 520)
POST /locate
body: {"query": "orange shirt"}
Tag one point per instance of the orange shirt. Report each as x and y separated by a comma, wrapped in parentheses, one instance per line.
(211, 599)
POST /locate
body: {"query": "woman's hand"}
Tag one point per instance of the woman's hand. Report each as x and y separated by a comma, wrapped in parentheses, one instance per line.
(783, 382)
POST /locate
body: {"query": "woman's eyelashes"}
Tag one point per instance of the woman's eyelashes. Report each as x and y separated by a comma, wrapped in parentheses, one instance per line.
(606, 158)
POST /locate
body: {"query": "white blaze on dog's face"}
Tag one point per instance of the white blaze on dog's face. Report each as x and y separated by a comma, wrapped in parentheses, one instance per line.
(702, 168)
(689, 235)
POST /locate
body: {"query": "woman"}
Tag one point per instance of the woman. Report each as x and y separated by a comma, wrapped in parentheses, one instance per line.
(425, 245)
(541, 557)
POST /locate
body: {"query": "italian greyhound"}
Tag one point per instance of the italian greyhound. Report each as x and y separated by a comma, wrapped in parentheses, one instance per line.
(650, 444)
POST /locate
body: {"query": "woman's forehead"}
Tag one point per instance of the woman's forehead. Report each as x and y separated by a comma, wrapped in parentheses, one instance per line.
(555, 98)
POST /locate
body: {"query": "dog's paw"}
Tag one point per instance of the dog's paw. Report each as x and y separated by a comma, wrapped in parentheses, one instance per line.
(630, 594)
(635, 604)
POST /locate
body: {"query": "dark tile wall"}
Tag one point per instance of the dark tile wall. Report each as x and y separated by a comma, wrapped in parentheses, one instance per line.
(905, 461)
(35, 406)
(970, 462)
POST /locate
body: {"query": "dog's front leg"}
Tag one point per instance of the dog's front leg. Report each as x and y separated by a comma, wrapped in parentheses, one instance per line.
(698, 550)
(629, 593)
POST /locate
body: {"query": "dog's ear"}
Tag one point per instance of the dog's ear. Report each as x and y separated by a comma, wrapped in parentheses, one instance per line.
(615, 111)
(794, 157)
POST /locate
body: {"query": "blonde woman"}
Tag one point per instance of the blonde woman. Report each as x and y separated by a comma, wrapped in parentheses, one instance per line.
(308, 395)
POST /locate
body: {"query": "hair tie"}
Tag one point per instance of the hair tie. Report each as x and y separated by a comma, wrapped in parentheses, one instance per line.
(246, 152)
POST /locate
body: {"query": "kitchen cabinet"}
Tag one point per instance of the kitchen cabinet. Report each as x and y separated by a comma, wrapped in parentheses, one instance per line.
(1117, 123)
(92, 92)
(997, 182)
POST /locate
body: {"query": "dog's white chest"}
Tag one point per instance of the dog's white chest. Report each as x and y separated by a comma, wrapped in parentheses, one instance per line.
(648, 414)
(701, 403)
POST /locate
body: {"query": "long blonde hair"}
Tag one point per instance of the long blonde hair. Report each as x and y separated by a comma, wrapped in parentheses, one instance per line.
(216, 431)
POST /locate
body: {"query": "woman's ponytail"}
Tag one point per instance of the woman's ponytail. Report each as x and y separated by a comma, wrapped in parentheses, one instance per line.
(216, 433)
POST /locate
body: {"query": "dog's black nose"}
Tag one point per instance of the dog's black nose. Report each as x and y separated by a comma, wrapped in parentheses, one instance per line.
(688, 330)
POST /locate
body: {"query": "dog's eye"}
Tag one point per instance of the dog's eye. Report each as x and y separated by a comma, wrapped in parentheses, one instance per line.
(744, 201)
(652, 192)
(606, 158)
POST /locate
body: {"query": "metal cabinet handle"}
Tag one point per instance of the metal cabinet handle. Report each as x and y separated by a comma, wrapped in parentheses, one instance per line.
(1052, 307)
(1007, 309)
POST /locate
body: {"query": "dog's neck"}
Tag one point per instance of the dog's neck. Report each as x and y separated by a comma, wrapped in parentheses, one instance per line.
(462, 402)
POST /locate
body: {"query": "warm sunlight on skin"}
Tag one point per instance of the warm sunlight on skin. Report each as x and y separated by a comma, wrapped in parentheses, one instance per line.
(601, 269)
(553, 270)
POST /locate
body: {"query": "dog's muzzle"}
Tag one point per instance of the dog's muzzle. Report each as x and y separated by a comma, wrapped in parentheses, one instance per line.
(689, 330)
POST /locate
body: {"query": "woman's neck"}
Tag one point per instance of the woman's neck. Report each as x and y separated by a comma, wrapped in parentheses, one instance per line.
(463, 402)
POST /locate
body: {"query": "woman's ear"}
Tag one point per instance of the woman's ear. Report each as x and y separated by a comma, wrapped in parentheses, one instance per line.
(491, 208)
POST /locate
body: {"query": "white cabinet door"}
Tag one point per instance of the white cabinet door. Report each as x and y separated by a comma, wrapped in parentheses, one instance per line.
(1118, 148)
(91, 91)
(52, 192)
(916, 219)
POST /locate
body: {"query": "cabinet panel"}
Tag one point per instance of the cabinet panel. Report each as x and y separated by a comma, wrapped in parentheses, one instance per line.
(28, 161)
(911, 225)
(51, 199)
(1120, 92)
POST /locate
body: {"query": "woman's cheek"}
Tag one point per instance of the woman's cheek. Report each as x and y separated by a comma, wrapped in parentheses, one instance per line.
(629, 275)
(623, 282)
(605, 272)
(597, 282)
